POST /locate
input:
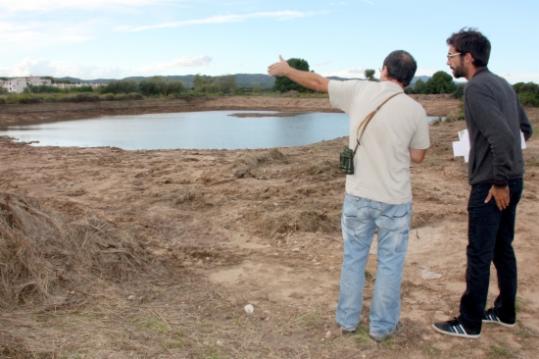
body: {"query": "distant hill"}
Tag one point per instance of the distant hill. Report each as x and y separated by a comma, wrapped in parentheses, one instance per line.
(417, 78)
(260, 81)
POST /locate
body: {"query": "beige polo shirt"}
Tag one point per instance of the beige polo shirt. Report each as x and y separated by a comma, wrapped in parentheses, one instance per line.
(382, 161)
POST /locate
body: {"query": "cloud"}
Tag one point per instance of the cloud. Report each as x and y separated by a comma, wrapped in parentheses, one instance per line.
(51, 5)
(348, 73)
(179, 63)
(322, 64)
(32, 67)
(40, 67)
(41, 34)
(424, 71)
(221, 19)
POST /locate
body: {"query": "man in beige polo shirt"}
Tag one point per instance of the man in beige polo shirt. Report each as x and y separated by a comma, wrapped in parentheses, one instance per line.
(378, 194)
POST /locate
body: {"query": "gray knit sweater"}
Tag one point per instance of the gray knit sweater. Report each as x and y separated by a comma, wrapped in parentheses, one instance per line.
(494, 117)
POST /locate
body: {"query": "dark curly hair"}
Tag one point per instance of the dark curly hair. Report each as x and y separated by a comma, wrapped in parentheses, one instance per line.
(472, 41)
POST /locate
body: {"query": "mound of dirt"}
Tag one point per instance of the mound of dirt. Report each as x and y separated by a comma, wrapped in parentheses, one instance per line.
(44, 259)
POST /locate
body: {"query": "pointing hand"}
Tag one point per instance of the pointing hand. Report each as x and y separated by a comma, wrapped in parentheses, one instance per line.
(279, 68)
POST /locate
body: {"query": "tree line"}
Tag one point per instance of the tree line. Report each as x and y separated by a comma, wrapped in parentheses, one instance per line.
(440, 83)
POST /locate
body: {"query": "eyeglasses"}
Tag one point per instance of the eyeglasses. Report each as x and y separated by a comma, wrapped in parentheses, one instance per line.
(450, 55)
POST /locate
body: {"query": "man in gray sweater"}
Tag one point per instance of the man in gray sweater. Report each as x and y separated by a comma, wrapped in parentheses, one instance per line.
(494, 118)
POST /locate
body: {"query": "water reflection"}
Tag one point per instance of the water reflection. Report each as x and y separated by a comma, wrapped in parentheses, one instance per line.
(200, 130)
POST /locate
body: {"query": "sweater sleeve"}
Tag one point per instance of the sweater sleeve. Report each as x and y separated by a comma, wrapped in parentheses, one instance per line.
(492, 125)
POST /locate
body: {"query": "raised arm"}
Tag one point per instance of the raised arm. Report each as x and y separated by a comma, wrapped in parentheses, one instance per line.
(306, 79)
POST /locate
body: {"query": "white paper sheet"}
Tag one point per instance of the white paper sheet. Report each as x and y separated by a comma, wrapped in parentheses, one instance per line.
(461, 148)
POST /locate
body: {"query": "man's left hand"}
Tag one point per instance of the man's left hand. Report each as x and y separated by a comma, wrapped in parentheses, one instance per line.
(501, 196)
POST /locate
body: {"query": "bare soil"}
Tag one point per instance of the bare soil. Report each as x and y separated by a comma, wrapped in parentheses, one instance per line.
(106, 253)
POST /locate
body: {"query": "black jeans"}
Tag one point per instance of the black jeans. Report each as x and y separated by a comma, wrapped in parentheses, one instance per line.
(490, 237)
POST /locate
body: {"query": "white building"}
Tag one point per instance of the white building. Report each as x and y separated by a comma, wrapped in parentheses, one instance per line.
(18, 84)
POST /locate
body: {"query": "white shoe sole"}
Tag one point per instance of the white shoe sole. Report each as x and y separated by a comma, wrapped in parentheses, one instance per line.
(507, 325)
(467, 336)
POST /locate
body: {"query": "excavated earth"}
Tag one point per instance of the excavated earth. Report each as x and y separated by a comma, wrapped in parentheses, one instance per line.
(107, 253)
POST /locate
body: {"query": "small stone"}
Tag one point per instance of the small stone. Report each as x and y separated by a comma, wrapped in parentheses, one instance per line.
(428, 275)
(249, 309)
(131, 297)
(328, 334)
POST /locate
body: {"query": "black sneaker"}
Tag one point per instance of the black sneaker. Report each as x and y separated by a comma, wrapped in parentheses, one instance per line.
(455, 328)
(490, 316)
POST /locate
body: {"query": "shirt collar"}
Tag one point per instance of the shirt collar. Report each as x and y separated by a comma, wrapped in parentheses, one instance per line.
(479, 70)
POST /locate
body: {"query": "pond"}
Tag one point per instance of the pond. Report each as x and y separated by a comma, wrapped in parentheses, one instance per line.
(188, 130)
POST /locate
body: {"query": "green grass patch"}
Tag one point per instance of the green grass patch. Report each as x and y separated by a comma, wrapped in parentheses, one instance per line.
(311, 320)
(153, 324)
(362, 337)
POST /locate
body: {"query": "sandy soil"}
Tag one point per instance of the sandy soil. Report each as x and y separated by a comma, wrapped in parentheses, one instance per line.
(154, 254)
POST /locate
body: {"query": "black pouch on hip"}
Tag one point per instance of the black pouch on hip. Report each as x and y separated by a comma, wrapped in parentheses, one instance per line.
(347, 160)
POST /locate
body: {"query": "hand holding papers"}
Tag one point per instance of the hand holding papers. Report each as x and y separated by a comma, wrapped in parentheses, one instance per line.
(462, 146)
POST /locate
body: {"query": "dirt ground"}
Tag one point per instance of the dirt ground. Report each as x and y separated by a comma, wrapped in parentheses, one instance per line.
(106, 253)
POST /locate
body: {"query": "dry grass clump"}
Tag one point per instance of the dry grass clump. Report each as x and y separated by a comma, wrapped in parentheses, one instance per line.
(247, 167)
(42, 259)
(15, 348)
(275, 225)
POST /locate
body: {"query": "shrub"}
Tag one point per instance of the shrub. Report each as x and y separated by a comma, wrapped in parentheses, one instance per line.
(459, 91)
(528, 93)
(123, 86)
(82, 97)
(29, 99)
(128, 96)
(283, 84)
(42, 89)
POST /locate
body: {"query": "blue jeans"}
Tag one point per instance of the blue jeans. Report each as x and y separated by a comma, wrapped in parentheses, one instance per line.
(360, 219)
(490, 239)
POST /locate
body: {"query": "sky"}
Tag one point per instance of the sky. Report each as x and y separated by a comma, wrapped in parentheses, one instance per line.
(92, 39)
